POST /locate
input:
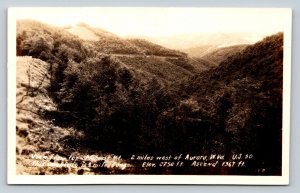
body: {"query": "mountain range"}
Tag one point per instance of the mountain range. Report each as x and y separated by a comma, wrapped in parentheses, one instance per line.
(133, 96)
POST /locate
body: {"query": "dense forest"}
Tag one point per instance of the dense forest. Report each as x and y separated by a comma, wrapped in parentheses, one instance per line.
(131, 96)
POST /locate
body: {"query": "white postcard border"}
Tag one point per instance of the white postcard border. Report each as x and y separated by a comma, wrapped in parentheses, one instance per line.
(12, 178)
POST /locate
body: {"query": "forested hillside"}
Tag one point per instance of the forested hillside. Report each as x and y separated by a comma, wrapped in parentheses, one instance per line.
(222, 53)
(239, 103)
(132, 96)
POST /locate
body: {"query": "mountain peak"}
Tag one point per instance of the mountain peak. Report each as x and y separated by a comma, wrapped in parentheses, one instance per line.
(85, 32)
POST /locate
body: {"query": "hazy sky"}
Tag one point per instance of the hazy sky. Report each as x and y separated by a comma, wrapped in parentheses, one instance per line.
(154, 22)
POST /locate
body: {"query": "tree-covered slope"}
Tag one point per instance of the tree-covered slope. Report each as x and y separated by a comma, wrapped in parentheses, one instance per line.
(239, 103)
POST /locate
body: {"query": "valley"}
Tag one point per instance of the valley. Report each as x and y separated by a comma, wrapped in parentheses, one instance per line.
(84, 91)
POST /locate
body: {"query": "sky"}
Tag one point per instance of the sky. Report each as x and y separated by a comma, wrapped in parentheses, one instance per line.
(157, 22)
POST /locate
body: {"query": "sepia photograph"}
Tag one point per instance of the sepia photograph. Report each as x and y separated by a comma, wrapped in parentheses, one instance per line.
(149, 95)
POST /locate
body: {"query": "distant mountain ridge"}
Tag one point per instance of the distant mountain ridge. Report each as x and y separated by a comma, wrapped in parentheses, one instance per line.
(220, 54)
(187, 41)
